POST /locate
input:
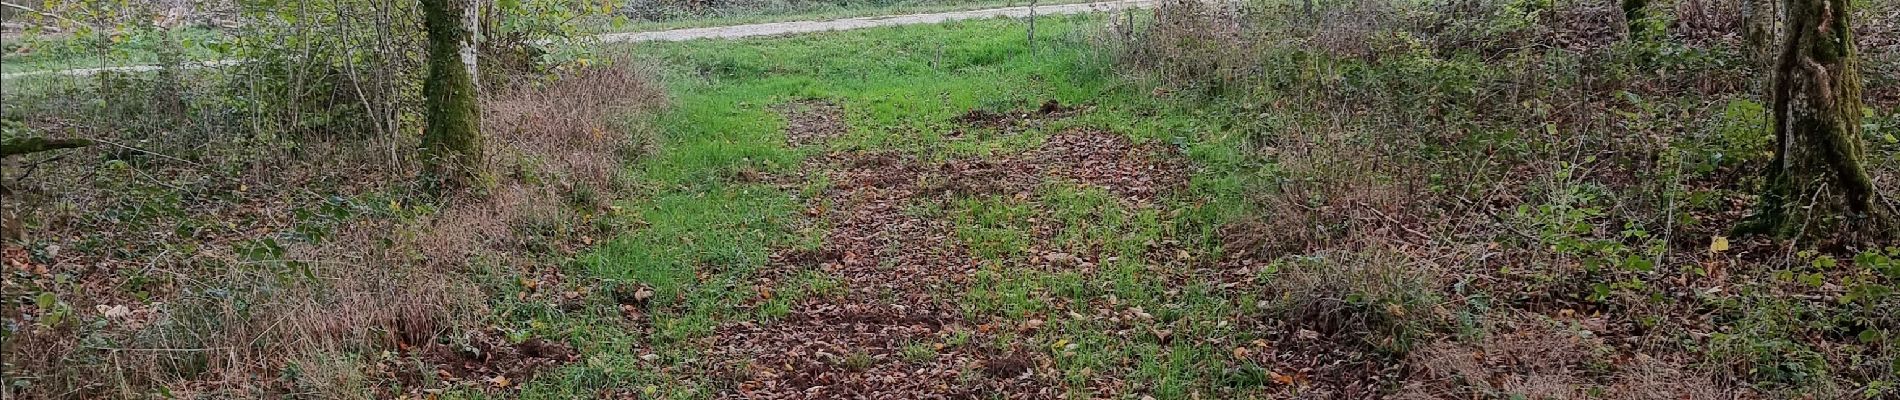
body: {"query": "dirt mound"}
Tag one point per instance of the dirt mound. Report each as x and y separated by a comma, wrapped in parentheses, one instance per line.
(895, 327)
(1094, 158)
(812, 122)
(489, 361)
(1018, 119)
(867, 340)
(1113, 162)
(980, 177)
(1547, 359)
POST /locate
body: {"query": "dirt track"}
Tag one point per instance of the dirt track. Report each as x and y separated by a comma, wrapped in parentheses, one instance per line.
(781, 28)
(737, 31)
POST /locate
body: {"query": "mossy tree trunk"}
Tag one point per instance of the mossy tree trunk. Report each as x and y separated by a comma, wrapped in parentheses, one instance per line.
(1818, 172)
(1758, 22)
(452, 141)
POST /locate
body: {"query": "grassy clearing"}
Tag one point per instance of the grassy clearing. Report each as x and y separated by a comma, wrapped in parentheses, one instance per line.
(1318, 247)
(709, 228)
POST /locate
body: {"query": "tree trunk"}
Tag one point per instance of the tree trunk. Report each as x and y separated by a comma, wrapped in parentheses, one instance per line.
(1032, 27)
(1817, 172)
(471, 44)
(452, 141)
(1633, 18)
(1758, 21)
(22, 146)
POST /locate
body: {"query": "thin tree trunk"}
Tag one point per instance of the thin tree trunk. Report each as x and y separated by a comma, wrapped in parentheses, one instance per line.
(1032, 26)
(1758, 21)
(452, 142)
(1817, 114)
(1633, 18)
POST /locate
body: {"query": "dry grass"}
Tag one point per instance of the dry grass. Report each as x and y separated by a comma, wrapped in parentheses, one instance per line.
(1538, 358)
(207, 313)
(574, 126)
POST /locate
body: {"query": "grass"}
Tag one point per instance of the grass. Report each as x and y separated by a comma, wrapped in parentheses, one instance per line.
(706, 229)
(1154, 300)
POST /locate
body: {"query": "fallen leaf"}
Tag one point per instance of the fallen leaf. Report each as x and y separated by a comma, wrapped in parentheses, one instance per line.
(1280, 379)
(118, 311)
(500, 381)
(1307, 334)
(1719, 244)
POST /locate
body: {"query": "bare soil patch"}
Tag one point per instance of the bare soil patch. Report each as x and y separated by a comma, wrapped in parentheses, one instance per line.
(1105, 160)
(899, 272)
(892, 267)
(812, 122)
(1017, 120)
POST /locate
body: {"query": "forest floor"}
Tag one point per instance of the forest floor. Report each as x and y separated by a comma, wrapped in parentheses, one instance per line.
(954, 211)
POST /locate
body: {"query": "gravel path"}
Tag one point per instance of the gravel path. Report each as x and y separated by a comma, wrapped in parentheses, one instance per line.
(739, 31)
(782, 28)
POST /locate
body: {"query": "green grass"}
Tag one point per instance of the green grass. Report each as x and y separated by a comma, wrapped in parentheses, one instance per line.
(706, 231)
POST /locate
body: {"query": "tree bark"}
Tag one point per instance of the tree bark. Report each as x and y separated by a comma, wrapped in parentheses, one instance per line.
(1817, 172)
(471, 45)
(22, 146)
(1758, 21)
(452, 141)
(1633, 18)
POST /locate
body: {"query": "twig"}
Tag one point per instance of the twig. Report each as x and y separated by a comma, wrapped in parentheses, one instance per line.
(1795, 243)
(1669, 224)
(34, 166)
(115, 144)
(36, 11)
(1401, 225)
(159, 349)
(1499, 219)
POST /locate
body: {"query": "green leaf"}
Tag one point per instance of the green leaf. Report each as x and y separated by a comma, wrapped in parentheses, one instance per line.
(1812, 279)
(1870, 336)
(1634, 262)
(46, 300)
(1825, 262)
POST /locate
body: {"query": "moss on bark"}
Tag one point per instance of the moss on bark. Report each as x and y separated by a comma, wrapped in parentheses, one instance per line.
(21, 146)
(452, 141)
(1818, 172)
